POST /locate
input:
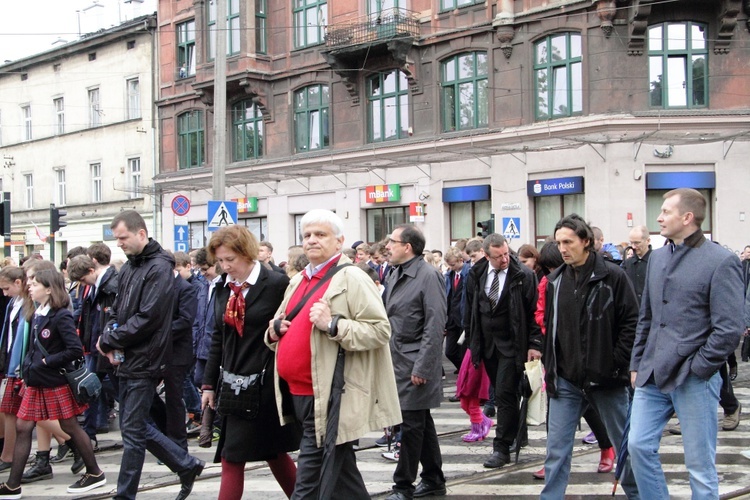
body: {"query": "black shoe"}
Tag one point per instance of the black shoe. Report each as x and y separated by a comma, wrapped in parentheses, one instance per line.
(454, 399)
(489, 411)
(40, 471)
(5, 465)
(6, 492)
(497, 460)
(524, 444)
(63, 452)
(733, 372)
(427, 490)
(187, 479)
(398, 495)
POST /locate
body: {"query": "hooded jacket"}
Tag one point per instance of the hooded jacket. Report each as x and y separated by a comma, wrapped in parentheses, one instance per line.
(143, 311)
(608, 317)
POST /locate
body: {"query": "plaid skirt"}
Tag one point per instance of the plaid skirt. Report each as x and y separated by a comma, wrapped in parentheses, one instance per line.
(11, 398)
(49, 403)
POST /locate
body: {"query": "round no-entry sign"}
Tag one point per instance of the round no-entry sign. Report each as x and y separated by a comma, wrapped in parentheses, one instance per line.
(180, 205)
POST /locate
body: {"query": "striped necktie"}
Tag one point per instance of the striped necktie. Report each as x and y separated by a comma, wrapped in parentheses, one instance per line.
(494, 294)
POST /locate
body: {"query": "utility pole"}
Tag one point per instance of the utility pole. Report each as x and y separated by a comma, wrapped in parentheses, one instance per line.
(220, 101)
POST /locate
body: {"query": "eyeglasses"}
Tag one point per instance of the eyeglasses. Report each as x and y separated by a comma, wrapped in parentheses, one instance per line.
(391, 240)
(635, 243)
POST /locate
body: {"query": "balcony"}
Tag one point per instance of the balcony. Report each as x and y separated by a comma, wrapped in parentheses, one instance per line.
(350, 45)
(381, 27)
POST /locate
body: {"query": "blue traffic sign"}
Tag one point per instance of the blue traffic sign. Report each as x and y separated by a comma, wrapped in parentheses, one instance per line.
(221, 213)
(181, 237)
(180, 205)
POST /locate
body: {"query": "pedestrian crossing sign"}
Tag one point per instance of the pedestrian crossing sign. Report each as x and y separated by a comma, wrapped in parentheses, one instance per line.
(512, 227)
(221, 213)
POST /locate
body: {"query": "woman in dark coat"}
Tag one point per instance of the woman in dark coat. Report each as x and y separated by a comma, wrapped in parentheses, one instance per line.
(246, 299)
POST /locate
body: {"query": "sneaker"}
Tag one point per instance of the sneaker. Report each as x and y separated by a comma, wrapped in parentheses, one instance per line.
(732, 420)
(745, 453)
(193, 428)
(675, 429)
(216, 434)
(6, 492)
(489, 410)
(393, 454)
(87, 482)
(383, 440)
(63, 452)
(590, 439)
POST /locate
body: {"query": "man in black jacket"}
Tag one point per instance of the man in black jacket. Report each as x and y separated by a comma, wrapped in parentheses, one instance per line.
(635, 266)
(590, 316)
(501, 298)
(142, 335)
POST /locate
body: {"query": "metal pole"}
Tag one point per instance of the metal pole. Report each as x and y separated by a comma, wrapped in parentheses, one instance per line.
(6, 223)
(220, 101)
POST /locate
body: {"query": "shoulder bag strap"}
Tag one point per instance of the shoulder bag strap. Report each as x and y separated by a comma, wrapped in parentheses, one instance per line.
(327, 276)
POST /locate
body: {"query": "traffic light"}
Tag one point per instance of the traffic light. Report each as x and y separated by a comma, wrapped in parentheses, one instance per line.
(56, 219)
(487, 226)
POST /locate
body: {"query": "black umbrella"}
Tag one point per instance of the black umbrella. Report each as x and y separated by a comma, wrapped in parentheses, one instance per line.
(332, 429)
(522, 436)
(622, 451)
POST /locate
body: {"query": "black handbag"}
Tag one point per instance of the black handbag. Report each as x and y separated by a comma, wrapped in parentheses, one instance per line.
(240, 394)
(85, 385)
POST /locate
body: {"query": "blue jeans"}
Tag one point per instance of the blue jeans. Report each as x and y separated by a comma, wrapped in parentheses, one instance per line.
(190, 395)
(139, 434)
(565, 412)
(696, 402)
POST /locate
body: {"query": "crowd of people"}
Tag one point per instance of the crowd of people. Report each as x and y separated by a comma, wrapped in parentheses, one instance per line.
(341, 340)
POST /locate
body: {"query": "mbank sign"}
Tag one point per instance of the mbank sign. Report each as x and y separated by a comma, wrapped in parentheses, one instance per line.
(383, 193)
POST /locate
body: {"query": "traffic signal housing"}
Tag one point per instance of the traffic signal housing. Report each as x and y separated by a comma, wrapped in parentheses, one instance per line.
(487, 227)
(56, 219)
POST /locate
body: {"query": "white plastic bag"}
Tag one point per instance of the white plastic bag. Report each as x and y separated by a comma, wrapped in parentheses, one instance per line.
(537, 407)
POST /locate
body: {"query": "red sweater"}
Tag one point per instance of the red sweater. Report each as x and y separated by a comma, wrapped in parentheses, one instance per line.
(293, 354)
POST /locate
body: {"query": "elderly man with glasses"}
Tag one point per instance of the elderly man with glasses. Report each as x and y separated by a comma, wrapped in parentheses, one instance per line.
(635, 266)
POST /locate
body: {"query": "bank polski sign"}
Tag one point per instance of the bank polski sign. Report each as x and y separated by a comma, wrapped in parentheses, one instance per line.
(557, 186)
(383, 193)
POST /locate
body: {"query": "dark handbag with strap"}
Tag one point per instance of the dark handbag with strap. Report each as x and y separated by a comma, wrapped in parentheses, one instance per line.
(85, 385)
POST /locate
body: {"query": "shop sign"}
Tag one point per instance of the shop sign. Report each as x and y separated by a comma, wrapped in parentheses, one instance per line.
(416, 212)
(383, 193)
(557, 186)
(246, 205)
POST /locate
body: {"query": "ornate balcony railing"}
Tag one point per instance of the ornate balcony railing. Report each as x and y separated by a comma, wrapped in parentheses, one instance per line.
(388, 24)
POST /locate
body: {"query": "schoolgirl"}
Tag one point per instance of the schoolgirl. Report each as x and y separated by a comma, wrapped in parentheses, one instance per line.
(53, 344)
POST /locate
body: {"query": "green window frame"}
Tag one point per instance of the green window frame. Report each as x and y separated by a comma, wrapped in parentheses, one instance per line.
(186, 49)
(232, 28)
(388, 106)
(261, 20)
(190, 139)
(456, 4)
(558, 76)
(377, 7)
(678, 65)
(247, 131)
(311, 124)
(465, 91)
(310, 18)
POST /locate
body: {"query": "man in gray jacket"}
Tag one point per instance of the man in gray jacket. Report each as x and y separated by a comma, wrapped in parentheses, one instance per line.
(688, 324)
(416, 307)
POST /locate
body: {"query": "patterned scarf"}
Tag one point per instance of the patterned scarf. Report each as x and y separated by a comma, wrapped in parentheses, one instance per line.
(235, 312)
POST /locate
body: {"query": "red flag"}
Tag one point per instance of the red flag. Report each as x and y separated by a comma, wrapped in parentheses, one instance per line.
(39, 234)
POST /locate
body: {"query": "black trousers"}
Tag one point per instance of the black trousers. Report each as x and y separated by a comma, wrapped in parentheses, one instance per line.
(727, 399)
(453, 351)
(505, 378)
(170, 414)
(419, 444)
(349, 483)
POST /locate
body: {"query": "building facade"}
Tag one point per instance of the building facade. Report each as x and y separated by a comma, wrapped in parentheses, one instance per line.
(77, 131)
(450, 112)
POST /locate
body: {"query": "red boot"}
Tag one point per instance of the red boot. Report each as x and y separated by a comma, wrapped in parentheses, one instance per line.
(607, 460)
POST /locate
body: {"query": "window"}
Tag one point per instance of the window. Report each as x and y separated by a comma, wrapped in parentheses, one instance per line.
(199, 234)
(134, 98)
(28, 182)
(381, 221)
(379, 6)
(60, 198)
(310, 18)
(258, 226)
(388, 105)
(1, 127)
(190, 139)
(95, 118)
(465, 215)
(232, 28)
(247, 137)
(59, 115)
(548, 210)
(654, 201)
(678, 70)
(186, 49)
(311, 118)
(134, 177)
(558, 76)
(260, 26)
(454, 4)
(464, 92)
(92, 56)
(26, 114)
(130, 44)
(96, 182)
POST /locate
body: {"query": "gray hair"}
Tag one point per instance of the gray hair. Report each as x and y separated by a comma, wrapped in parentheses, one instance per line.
(321, 216)
(493, 240)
